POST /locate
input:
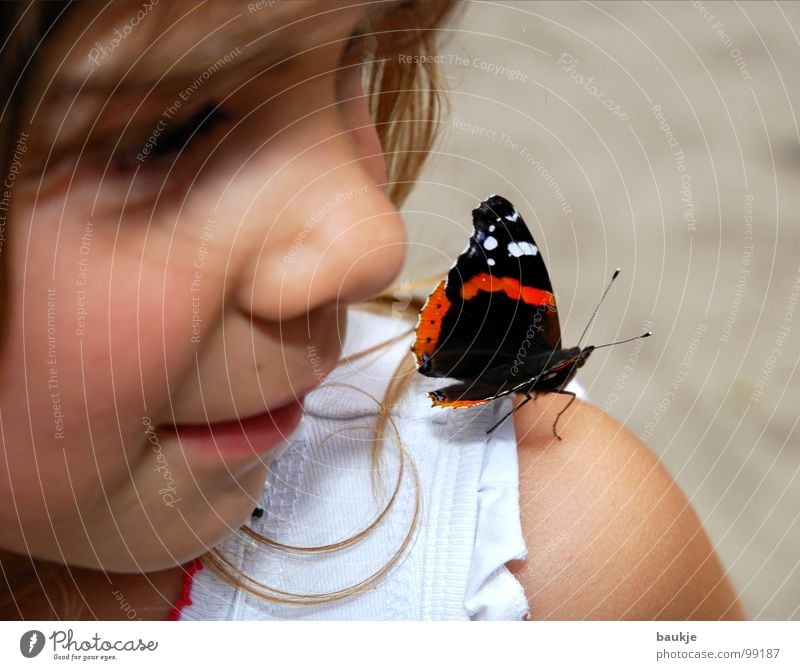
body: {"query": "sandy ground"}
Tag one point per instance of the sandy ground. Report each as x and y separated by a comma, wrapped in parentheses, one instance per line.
(660, 138)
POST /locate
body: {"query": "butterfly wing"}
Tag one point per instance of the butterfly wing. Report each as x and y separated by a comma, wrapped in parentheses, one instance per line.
(495, 310)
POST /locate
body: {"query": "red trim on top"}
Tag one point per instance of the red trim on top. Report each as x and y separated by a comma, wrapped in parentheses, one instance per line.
(186, 588)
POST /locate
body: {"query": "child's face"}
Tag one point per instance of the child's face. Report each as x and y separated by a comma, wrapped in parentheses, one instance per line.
(171, 280)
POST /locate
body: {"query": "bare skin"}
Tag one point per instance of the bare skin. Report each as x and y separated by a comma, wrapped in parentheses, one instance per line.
(610, 535)
(79, 594)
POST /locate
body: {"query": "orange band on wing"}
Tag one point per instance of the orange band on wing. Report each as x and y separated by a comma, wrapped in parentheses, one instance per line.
(456, 403)
(429, 327)
(511, 287)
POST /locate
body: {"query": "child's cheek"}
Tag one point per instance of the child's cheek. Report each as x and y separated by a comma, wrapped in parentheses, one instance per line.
(56, 379)
(100, 323)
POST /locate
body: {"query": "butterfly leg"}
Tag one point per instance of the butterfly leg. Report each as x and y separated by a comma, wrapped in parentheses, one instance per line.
(528, 397)
(558, 416)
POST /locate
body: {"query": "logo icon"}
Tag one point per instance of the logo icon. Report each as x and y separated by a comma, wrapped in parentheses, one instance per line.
(31, 643)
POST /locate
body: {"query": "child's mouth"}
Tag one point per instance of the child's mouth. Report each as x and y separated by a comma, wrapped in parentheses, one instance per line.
(248, 435)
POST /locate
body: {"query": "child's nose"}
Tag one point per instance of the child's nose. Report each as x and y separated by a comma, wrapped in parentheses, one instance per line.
(340, 240)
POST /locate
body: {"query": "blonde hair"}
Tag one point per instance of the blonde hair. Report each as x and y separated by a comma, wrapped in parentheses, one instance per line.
(405, 103)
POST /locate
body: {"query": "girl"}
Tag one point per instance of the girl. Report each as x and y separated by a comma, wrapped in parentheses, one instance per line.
(193, 195)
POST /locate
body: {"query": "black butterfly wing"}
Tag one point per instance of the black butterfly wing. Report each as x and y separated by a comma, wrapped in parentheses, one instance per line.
(495, 310)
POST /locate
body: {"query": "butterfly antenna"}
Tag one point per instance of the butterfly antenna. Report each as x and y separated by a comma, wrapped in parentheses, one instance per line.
(599, 302)
(630, 339)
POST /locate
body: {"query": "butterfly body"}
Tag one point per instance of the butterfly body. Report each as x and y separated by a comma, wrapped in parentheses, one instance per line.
(492, 327)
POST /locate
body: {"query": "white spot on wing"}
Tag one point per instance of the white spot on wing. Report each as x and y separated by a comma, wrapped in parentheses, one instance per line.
(518, 249)
(490, 261)
(514, 216)
(491, 228)
(490, 243)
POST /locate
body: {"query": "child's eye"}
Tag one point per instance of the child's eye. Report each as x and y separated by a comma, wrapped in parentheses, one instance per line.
(202, 123)
(144, 172)
(169, 138)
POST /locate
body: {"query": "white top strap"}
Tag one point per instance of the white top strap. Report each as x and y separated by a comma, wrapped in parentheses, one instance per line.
(319, 491)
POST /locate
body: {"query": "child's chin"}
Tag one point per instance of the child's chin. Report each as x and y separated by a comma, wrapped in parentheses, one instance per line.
(232, 508)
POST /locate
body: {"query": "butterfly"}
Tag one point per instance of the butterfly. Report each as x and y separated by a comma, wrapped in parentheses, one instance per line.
(492, 325)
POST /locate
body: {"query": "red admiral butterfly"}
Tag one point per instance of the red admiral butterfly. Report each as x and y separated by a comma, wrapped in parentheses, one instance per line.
(492, 326)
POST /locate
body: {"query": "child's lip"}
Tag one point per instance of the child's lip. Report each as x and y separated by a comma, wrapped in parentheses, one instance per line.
(249, 435)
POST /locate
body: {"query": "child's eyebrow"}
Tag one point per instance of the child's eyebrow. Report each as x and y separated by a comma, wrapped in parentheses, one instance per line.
(255, 42)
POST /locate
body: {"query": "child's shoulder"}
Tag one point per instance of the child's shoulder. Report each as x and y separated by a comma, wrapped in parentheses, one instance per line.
(610, 535)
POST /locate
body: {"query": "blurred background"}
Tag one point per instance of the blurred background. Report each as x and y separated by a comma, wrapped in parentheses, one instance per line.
(661, 138)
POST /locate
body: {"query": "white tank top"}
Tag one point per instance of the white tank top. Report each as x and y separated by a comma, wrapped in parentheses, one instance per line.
(319, 492)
